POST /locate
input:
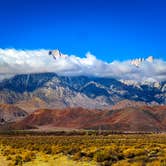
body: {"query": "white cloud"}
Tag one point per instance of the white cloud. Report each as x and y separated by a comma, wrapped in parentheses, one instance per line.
(14, 61)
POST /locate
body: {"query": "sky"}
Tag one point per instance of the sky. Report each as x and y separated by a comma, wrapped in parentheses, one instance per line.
(109, 29)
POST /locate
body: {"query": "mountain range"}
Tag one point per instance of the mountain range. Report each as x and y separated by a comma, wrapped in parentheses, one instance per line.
(48, 90)
(48, 101)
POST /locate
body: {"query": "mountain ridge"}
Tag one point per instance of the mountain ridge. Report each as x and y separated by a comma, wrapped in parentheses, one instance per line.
(51, 90)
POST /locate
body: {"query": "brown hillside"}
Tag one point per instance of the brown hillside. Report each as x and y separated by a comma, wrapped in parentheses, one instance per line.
(143, 118)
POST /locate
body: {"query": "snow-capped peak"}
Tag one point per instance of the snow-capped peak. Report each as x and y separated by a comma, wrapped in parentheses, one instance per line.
(56, 54)
(150, 59)
(138, 61)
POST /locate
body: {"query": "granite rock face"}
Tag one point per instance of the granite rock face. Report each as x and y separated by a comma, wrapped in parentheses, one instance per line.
(48, 90)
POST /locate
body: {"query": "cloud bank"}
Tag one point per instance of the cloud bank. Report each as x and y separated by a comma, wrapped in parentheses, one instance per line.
(14, 61)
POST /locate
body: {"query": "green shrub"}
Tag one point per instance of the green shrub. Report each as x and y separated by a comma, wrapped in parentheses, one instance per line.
(18, 160)
(163, 162)
(28, 156)
(101, 156)
(8, 158)
(78, 155)
(129, 153)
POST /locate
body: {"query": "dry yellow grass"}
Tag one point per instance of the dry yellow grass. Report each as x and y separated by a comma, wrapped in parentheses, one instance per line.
(116, 150)
(57, 160)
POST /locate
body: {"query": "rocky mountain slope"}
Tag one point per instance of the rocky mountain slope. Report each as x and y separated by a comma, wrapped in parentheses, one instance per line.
(48, 90)
(11, 113)
(141, 118)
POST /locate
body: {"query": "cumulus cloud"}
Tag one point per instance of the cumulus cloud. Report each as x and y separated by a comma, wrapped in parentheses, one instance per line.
(14, 61)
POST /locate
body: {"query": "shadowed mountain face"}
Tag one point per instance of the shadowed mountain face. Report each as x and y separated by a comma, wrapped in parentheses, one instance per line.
(48, 90)
(26, 82)
(142, 118)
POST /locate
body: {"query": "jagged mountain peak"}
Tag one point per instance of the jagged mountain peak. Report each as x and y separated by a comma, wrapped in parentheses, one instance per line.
(150, 59)
(137, 62)
(56, 54)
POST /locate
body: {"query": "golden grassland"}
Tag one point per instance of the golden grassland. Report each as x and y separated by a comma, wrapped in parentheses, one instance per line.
(84, 150)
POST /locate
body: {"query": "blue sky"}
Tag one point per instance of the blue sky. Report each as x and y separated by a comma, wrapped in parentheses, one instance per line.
(109, 29)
